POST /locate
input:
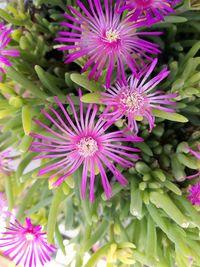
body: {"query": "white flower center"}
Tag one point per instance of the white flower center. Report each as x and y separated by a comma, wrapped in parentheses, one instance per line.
(30, 237)
(87, 147)
(112, 36)
(133, 101)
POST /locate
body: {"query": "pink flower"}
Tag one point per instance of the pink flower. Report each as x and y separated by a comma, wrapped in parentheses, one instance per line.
(26, 245)
(105, 40)
(5, 53)
(194, 196)
(84, 143)
(150, 11)
(136, 99)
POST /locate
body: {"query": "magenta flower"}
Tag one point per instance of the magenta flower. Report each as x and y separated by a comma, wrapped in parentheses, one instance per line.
(105, 39)
(194, 196)
(5, 53)
(150, 11)
(83, 143)
(26, 245)
(136, 99)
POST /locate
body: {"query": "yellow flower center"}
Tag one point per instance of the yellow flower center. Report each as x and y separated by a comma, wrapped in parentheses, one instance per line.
(112, 36)
(30, 237)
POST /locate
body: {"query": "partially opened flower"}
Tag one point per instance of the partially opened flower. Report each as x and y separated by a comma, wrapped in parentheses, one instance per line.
(194, 196)
(5, 53)
(105, 39)
(75, 143)
(137, 99)
(150, 11)
(26, 245)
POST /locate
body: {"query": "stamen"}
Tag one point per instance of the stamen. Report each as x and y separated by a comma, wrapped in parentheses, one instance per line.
(87, 147)
(132, 101)
(112, 36)
(30, 237)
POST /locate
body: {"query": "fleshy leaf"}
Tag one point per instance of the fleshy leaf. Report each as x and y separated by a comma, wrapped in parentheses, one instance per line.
(170, 116)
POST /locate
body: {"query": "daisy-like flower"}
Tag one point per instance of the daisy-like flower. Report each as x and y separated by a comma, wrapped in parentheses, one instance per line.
(137, 99)
(5, 53)
(83, 143)
(194, 196)
(26, 245)
(150, 11)
(105, 39)
(5, 162)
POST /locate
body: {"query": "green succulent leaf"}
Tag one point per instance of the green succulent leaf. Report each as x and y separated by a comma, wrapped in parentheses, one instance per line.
(170, 116)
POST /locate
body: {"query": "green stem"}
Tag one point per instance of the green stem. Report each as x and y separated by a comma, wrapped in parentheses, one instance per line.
(57, 199)
(21, 5)
(97, 255)
(27, 199)
(111, 233)
(28, 85)
(9, 192)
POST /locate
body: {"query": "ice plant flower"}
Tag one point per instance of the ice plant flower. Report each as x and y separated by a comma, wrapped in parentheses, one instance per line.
(5, 162)
(194, 196)
(5, 53)
(150, 11)
(85, 143)
(26, 245)
(137, 99)
(105, 39)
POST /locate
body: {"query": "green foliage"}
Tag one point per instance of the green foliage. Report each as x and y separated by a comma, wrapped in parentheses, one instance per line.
(150, 222)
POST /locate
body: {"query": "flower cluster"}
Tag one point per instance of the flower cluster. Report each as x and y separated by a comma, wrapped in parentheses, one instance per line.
(106, 41)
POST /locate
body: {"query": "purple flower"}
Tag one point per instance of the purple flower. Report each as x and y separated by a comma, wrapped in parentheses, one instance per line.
(105, 39)
(5, 162)
(5, 53)
(194, 196)
(26, 245)
(150, 11)
(75, 143)
(136, 99)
